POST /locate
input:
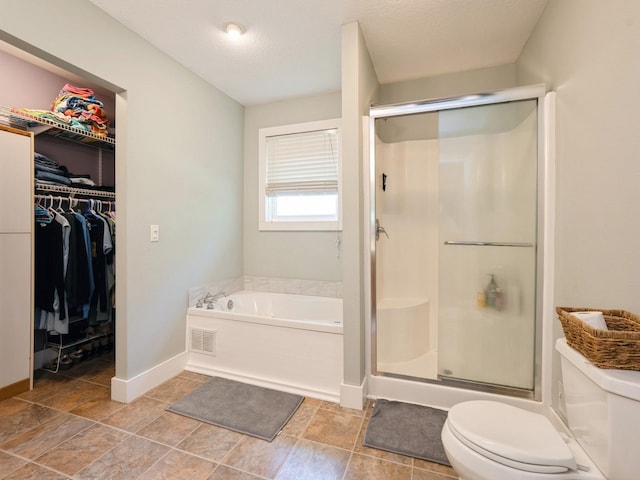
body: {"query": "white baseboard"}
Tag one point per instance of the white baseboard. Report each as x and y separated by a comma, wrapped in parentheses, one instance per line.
(128, 390)
(264, 382)
(353, 396)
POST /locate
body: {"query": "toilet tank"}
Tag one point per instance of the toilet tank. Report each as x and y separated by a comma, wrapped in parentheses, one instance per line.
(603, 412)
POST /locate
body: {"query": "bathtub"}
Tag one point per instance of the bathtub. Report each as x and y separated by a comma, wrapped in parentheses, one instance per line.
(286, 342)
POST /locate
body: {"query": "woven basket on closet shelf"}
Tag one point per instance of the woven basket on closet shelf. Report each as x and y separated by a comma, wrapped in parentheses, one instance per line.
(617, 347)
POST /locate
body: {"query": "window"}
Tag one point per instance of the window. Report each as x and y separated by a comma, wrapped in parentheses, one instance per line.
(300, 176)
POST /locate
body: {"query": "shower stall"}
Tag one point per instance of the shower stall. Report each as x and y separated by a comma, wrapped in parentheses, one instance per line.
(455, 240)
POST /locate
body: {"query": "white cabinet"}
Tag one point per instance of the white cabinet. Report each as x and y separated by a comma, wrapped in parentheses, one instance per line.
(16, 239)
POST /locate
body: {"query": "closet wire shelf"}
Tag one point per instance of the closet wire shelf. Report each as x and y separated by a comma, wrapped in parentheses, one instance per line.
(45, 187)
(21, 120)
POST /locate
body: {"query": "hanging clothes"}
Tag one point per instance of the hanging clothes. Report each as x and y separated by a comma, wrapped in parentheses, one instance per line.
(49, 265)
(85, 305)
(74, 274)
(58, 320)
(102, 257)
(77, 285)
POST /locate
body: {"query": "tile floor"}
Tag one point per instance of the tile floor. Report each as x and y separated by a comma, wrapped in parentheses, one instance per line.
(68, 427)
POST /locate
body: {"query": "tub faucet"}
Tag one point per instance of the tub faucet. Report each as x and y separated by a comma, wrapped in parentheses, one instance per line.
(211, 299)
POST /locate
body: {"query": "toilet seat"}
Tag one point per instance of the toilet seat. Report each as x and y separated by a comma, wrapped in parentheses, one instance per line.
(511, 436)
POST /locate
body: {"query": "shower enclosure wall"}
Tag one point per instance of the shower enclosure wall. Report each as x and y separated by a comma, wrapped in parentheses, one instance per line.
(455, 230)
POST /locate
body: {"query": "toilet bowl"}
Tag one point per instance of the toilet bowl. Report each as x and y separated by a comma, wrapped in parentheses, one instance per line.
(486, 440)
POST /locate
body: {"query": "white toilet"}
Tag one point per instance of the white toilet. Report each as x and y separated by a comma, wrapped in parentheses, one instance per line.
(486, 440)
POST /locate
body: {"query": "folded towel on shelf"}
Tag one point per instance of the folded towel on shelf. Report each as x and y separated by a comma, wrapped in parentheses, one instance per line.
(57, 170)
(593, 319)
(52, 177)
(80, 181)
(81, 105)
(49, 171)
(79, 91)
(40, 159)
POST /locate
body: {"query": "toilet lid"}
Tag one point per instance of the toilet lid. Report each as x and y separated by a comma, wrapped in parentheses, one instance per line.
(511, 436)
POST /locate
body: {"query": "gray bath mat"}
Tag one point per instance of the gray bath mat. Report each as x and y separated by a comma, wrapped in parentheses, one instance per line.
(407, 429)
(256, 411)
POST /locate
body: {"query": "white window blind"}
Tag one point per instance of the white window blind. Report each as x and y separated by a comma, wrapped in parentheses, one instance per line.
(302, 162)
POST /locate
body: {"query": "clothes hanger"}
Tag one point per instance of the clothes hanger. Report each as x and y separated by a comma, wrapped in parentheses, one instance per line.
(52, 211)
(60, 209)
(72, 201)
(41, 213)
(90, 211)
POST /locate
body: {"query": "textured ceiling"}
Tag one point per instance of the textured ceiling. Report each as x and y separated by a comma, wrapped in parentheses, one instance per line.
(292, 48)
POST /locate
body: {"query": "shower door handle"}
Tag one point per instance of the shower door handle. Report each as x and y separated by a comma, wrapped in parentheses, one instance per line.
(488, 244)
(379, 230)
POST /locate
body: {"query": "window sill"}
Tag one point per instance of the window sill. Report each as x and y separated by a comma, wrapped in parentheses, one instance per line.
(300, 226)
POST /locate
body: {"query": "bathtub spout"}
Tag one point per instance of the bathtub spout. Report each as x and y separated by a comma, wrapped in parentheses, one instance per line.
(218, 296)
(208, 298)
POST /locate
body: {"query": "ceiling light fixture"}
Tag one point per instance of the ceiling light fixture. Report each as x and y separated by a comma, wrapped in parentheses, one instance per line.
(234, 30)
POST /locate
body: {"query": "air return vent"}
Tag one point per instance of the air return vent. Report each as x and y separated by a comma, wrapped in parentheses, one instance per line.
(203, 341)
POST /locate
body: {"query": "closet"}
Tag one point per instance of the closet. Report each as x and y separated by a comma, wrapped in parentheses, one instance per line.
(81, 323)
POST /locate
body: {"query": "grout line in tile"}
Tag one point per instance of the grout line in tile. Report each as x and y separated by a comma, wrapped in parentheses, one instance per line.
(68, 439)
(50, 469)
(31, 461)
(298, 439)
(346, 469)
(156, 462)
(327, 445)
(226, 455)
(241, 471)
(192, 454)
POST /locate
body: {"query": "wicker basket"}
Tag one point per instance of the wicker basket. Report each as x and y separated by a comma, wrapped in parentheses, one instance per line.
(618, 347)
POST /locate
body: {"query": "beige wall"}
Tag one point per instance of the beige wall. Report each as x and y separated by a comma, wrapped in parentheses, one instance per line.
(588, 51)
(178, 164)
(302, 255)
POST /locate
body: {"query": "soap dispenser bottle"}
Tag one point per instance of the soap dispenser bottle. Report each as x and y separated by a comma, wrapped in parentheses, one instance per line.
(492, 291)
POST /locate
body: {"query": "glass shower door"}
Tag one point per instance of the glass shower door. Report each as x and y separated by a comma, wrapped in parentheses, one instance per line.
(487, 244)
